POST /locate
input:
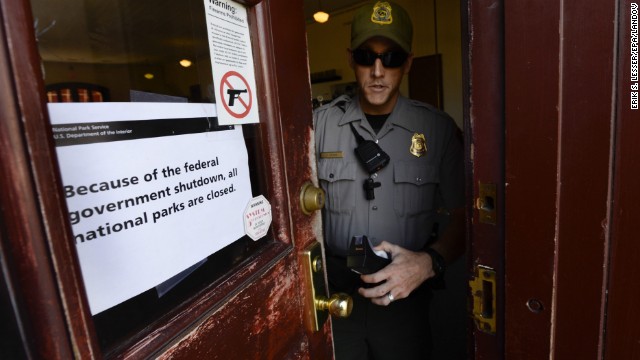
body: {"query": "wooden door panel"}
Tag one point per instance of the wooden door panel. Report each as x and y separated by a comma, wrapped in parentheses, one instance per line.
(262, 321)
(558, 130)
(255, 311)
(531, 123)
(586, 118)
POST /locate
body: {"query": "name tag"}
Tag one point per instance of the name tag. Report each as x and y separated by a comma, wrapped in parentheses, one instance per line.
(332, 155)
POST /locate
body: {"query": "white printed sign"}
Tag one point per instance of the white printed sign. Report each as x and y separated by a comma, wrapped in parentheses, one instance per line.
(151, 189)
(232, 62)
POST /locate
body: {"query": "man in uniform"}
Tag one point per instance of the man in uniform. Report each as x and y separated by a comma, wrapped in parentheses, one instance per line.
(395, 206)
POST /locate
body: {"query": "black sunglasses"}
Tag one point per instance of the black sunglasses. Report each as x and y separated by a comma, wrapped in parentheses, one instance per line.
(390, 59)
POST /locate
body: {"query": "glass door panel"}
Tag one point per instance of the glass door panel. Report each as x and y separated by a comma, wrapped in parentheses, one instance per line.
(142, 51)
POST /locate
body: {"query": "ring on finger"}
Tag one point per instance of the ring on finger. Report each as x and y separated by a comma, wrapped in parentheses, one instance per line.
(390, 296)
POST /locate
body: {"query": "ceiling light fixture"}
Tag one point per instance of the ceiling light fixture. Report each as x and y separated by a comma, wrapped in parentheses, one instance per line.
(148, 76)
(185, 63)
(320, 16)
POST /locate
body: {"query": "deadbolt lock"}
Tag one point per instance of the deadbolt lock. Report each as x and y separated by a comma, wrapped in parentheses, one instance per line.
(311, 198)
(319, 305)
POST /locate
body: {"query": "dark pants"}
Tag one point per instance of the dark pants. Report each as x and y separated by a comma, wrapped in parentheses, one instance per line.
(372, 332)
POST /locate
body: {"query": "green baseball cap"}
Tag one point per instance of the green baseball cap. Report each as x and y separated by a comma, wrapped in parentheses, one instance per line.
(382, 18)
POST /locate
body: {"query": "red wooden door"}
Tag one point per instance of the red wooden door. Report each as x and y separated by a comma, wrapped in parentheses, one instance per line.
(551, 103)
(255, 307)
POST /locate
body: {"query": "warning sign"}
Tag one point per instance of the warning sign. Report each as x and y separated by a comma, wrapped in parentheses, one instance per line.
(232, 62)
(236, 94)
(257, 217)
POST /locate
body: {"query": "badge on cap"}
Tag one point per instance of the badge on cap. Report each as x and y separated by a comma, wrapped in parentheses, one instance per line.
(381, 13)
(418, 145)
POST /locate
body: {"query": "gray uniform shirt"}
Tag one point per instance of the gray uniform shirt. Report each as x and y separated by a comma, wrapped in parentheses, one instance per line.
(413, 187)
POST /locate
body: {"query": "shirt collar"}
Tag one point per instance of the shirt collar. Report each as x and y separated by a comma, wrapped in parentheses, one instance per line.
(400, 116)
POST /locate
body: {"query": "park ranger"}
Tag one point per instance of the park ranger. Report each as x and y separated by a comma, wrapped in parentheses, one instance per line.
(396, 203)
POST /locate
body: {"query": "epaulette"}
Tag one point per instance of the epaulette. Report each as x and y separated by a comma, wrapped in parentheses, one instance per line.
(340, 102)
(429, 107)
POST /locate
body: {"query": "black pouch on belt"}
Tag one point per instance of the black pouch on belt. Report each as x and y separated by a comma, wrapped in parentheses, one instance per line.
(341, 278)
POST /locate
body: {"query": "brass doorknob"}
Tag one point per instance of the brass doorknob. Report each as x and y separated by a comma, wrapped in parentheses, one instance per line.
(339, 305)
(318, 306)
(311, 198)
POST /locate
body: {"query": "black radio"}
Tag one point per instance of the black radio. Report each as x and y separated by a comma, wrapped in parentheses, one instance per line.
(371, 156)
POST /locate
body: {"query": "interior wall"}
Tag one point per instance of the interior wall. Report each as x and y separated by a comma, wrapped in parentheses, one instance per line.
(328, 44)
(169, 78)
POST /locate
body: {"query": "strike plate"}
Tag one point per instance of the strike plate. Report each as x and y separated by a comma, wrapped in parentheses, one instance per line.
(486, 203)
(483, 290)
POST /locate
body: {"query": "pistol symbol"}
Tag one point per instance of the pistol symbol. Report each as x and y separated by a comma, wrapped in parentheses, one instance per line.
(234, 94)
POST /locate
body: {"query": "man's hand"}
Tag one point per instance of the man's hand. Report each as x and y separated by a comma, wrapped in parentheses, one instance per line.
(407, 270)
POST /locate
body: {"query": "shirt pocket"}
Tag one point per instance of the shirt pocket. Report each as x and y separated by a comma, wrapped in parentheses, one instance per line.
(337, 177)
(415, 187)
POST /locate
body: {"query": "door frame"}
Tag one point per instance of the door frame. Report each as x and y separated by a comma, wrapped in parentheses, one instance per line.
(622, 333)
(34, 221)
(483, 48)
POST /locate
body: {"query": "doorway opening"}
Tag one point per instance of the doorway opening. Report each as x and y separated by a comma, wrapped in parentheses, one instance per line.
(436, 77)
